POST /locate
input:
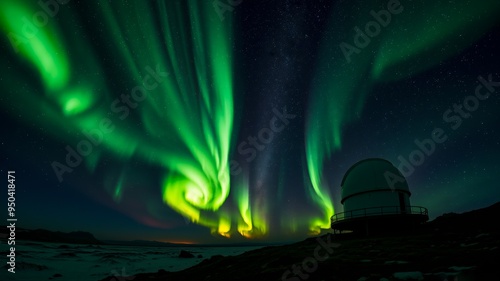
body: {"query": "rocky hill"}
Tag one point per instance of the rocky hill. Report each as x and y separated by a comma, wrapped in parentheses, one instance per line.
(42, 235)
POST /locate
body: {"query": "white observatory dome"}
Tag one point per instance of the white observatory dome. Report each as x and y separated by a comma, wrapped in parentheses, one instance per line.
(376, 195)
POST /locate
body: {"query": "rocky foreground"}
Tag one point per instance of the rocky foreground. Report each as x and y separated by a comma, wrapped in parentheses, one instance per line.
(453, 247)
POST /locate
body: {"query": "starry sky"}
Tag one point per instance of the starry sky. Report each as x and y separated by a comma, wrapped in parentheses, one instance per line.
(228, 121)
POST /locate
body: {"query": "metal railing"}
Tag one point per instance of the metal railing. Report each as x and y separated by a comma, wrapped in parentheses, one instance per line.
(377, 211)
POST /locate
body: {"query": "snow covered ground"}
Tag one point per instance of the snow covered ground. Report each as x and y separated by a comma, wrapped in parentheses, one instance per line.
(48, 261)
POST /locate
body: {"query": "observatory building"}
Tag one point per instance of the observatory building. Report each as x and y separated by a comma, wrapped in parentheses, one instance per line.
(376, 198)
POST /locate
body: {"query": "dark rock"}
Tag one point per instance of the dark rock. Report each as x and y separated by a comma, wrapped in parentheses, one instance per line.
(185, 255)
(65, 255)
(200, 256)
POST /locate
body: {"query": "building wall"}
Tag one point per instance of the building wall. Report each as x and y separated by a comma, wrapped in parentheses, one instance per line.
(407, 201)
(375, 199)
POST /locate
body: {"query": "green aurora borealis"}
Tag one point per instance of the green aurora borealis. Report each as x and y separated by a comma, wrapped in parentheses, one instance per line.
(159, 83)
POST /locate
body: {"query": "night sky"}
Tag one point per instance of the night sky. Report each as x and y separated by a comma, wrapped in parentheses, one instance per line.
(227, 121)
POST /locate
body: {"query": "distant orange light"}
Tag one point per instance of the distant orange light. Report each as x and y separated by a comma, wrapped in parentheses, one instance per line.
(178, 242)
